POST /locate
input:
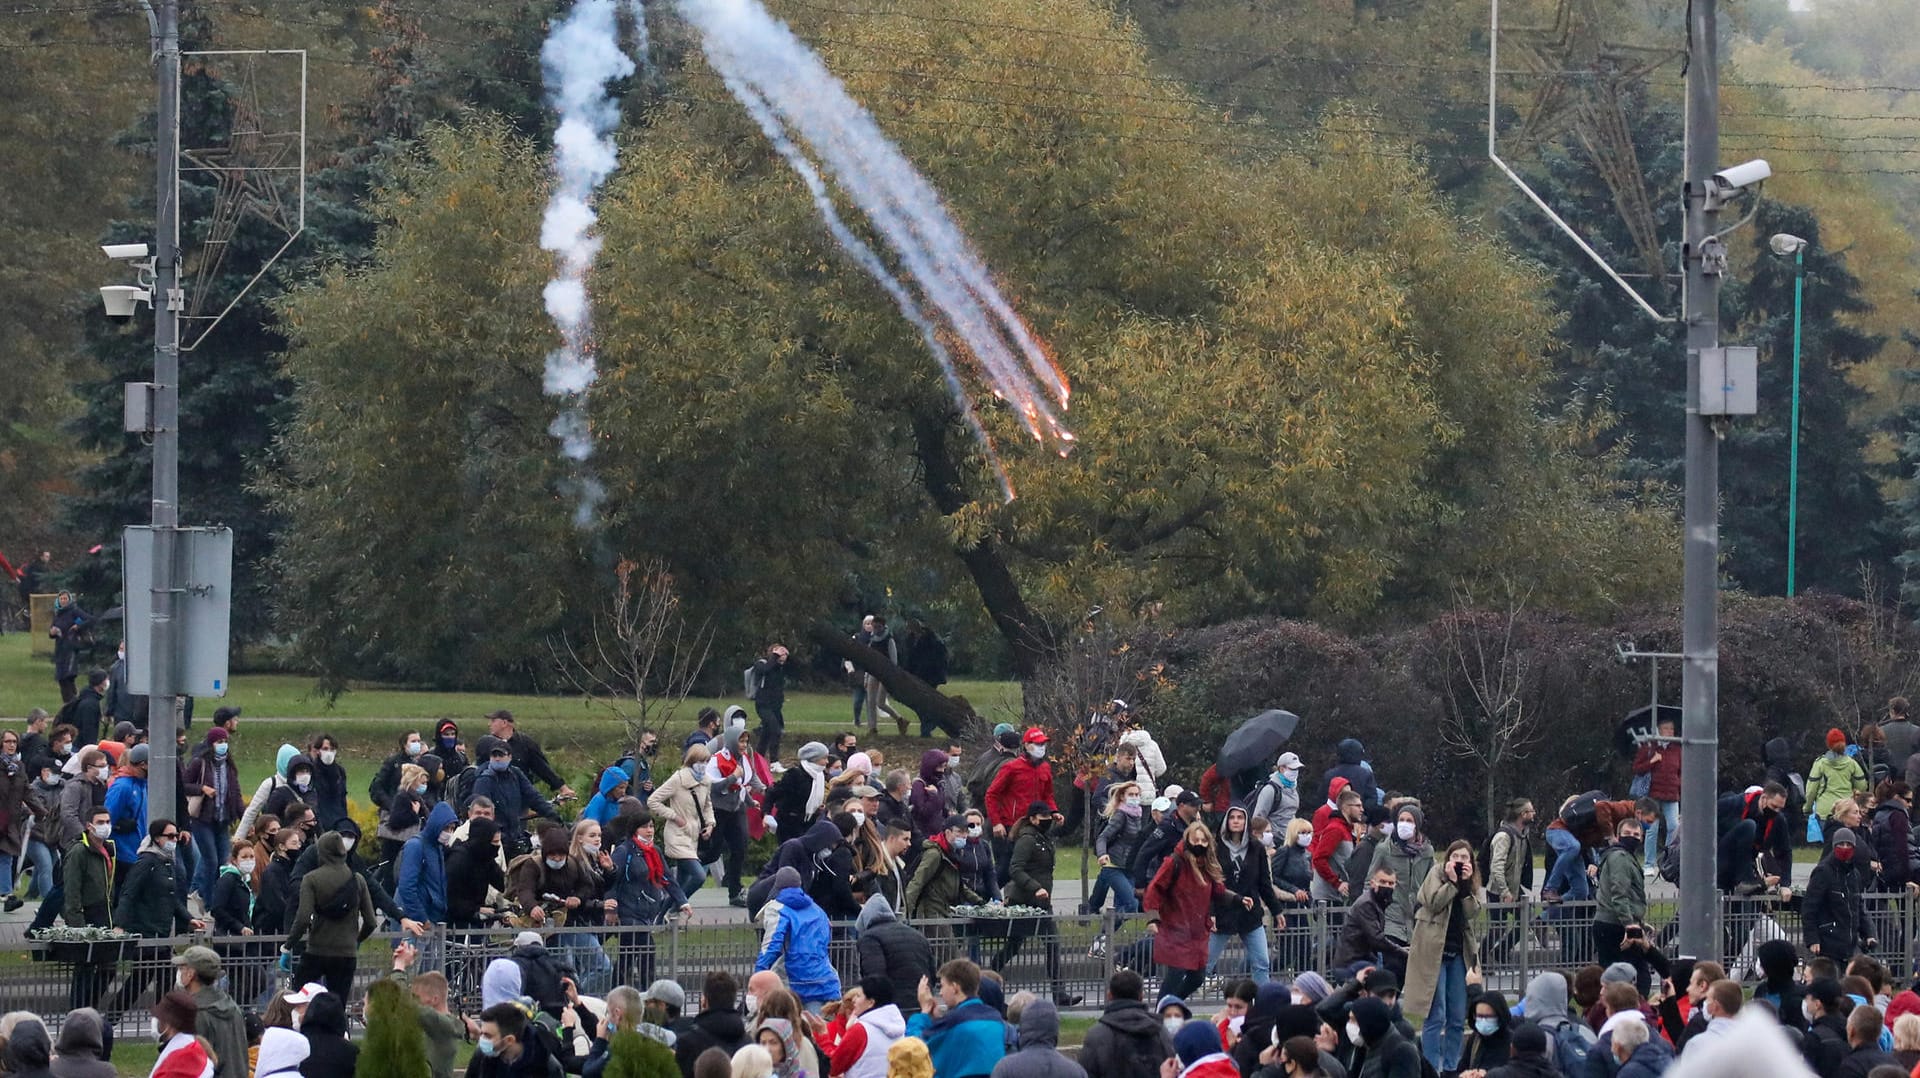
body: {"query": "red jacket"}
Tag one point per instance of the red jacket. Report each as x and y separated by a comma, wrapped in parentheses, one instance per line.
(1607, 816)
(1666, 773)
(1327, 837)
(1182, 902)
(1019, 784)
(1215, 790)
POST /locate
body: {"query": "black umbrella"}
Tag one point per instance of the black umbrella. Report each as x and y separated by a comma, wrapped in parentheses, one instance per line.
(1256, 744)
(1641, 721)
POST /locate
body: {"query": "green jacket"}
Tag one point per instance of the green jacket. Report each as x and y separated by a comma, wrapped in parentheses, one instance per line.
(329, 936)
(444, 1031)
(151, 904)
(1412, 870)
(1832, 778)
(1030, 870)
(225, 1028)
(936, 886)
(1621, 891)
(87, 877)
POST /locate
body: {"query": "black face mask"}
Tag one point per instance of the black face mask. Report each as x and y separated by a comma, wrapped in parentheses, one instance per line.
(1042, 825)
(1383, 896)
(1196, 849)
(1630, 843)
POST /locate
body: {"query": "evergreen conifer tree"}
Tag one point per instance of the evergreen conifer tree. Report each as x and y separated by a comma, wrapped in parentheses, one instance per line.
(395, 1045)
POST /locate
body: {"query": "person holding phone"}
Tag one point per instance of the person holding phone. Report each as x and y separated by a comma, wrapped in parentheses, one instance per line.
(1447, 927)
(1621, 893)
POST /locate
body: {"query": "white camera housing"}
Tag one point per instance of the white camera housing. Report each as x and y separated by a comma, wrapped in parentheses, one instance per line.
(1728, 180)
(121, 300)
(124, 251)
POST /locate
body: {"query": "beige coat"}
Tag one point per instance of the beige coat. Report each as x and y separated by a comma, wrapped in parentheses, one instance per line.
(683, 805)
(1433, 907)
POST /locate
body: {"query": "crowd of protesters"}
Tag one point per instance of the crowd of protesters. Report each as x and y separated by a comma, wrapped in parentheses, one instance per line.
(470, 839)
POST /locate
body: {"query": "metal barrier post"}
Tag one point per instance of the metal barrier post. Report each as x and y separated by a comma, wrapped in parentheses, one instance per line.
(1525, 944)
(1108, 923)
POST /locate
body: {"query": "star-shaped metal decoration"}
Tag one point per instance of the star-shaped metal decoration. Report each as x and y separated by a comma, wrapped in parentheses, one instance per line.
(1582, 77)
(250, 175)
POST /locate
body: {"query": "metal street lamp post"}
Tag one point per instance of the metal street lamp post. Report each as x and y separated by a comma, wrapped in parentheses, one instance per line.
(1784, 244)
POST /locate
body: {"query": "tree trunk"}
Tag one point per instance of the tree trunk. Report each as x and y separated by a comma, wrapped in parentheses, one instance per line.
(1031, 641)
(954, 712)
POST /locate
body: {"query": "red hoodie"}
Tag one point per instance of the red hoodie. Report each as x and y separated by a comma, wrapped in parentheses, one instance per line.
(1327, 838)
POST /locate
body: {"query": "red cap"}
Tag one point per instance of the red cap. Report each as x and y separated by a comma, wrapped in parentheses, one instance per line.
(1035, 736)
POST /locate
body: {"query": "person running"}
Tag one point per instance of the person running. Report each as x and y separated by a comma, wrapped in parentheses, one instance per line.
(1180, 897)
(1031, 884)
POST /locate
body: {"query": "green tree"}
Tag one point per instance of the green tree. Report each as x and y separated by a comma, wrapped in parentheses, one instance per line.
(630, 1055)
(395, 1046)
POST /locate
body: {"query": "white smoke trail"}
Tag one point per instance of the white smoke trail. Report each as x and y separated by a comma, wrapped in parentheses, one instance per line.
(788, 90)
(580, 57)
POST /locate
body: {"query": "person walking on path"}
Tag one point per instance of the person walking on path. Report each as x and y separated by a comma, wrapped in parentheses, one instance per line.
(769, 698)
(1830, 912)
(685, 802)
(1180, 897)
(1446, 945)
(1409, 856)
(1247, 875)
(1031, 884)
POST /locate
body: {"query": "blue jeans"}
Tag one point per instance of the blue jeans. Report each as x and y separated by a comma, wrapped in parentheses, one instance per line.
(1669, 822)
(1569, 873)
(1256, 943)
(209, 847)
(1445, 1031)
(6, 873)
(40, 859)
(690, 874)
(593, 971)
(1113, 878)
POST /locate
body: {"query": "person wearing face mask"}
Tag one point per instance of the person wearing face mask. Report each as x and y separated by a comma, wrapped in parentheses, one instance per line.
(1023, 781)
(263, 793)
(197, 972)
(334, 917)
(275, 897)
(1620, 893)
(1370, 1027)
(512, 794)
(1249, 902)
(1290, 866)
(153, 904)
(90, 707)
(1489, 1039)
(1114, 845)
(181, 1056)
(423, 872)
(329, 798)
(298, 790)
(1446, 946)
(1278, 796)
(800, 794)
(215, 801)
(1031, 884)
(939, 883)
(685, 802)
(386, 782)
(1409, 856)
(231, 909)
(44, 836)
(1180, 897)
(356, 858)
(86, 891)
(405, 813)
(1363, 932)
(1830, 912)
(739, 778)
(926, 804)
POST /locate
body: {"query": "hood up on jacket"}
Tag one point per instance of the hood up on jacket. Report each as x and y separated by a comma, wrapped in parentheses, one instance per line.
(29, 1046)
(283, 759)
(332, 851)
(1776, 754)
(281, 1052)
(613, 779)
(1040, 1025)
(886, 1020)
(326, 1015)
(794, 898)
(500, 983)
(1350, 750)
(820, 837)
(1546, 997)
(300, 760)
(876, 911)
(80, 1034)
(439, 820)
(931, 763)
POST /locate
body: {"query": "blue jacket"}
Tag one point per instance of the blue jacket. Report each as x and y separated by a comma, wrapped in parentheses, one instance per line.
(603, 808)
(512, 795)
(423, 870)
(801, 936)
(966, 1041)
(631, 886)
(127, 805)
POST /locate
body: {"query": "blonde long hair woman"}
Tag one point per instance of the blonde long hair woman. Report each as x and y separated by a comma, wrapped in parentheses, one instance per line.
(1115, 844)
(1180, 898)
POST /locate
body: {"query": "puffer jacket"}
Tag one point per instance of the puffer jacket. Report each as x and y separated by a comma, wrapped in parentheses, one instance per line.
(1832, 777)
(1030, 870)
(79, 797)
(1292, 870)
(938, 884)
(801, 938)
(1120, 837)
(685, 803)
(151, 903)
(890, 948)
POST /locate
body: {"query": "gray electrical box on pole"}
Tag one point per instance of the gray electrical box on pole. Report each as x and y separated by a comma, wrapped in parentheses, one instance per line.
(202, 590)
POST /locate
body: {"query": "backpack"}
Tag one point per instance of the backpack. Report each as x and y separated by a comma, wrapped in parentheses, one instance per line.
(1253, 796)
(1582, 812)
(1572, 1043)
(750, 678)
(462, 787)
(344, 900)
(1668, 861)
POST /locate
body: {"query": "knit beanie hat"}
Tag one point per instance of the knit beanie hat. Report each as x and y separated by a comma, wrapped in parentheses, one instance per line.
(1836, 740)
(1373, 1016)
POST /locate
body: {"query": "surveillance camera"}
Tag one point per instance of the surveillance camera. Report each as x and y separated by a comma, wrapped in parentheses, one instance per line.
(121, 300)
(1729, 180)
(124, 250)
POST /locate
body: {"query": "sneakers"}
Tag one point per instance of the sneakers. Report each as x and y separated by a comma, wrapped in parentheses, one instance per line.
(1550, 896)
(738, 901)
(1099, 948)
(1650, 872)
(13, 903)
(1066, 999)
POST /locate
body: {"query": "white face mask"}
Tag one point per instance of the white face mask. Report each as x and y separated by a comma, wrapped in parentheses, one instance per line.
(1353, 1032)
(859, 817)
(327, 756)
(1173, 1022)
(100, 773)
(1386, 829)
(753, 1004)
(591, 849)
(346, 843)
(973, 830)
(246, 866)
(1305, 839)
(415, 748)
(1133, 801)
(103, 831)
(556, 862)
(1403, 830)
(1266, 839)
(446, 838)
(1037, 752)
(302, 781)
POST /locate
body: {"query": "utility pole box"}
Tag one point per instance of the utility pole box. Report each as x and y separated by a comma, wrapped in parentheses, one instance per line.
(137, 409)
(1729, 381)
(203, 604)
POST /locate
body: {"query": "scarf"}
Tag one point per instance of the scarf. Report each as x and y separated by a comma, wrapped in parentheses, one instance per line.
(1130, 810)
(789, 1065)
(656, 867)
(818, 794)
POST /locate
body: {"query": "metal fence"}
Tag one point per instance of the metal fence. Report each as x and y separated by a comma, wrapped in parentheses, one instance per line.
(1071, 954)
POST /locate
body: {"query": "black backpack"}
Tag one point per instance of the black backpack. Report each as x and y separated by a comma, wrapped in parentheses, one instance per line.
(1582, 812)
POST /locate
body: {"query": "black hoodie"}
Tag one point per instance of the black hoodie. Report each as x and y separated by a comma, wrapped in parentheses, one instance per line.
(29, 1050)
(1128, 1041)
(725, 1030)
(1485, 1052)
(330, 1053)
